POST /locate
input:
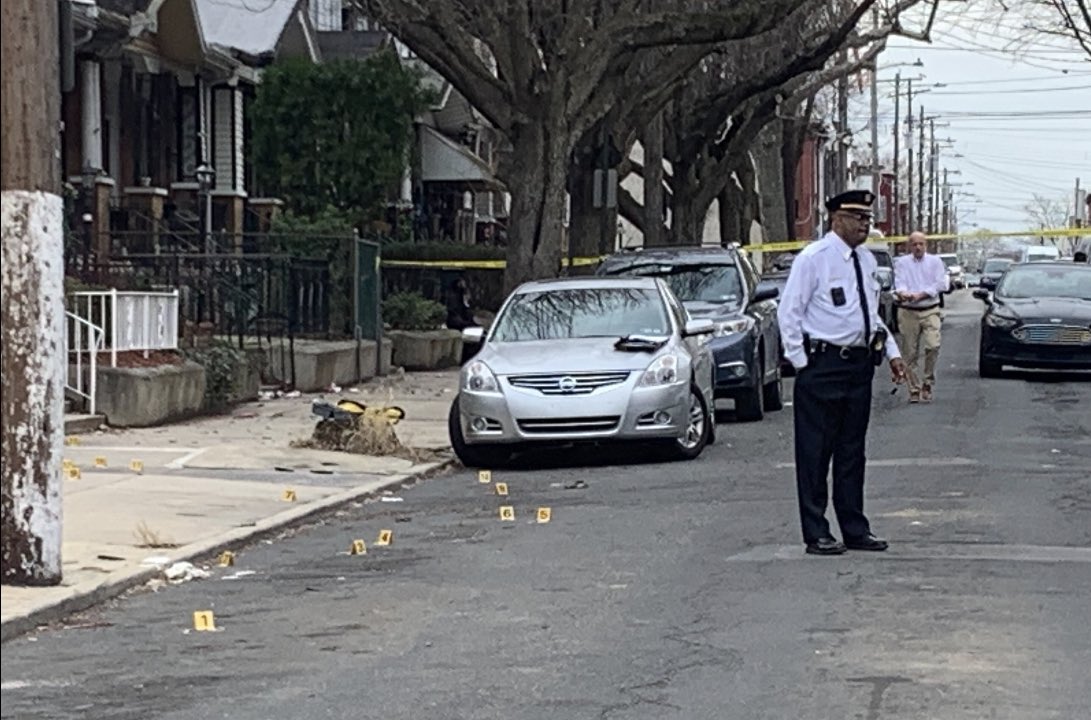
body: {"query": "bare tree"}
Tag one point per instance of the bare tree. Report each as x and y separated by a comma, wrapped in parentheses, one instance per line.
(1049, 213)
(1063, 18)
(545, 72)
(735, 92)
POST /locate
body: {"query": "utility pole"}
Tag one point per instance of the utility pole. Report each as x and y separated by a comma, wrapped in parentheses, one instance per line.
(944, 207)
(920, 173)
(842, 129)
(32, 312)
(932, 176)
(653, 184)
(896, 220)
(875, 118)
(910, 206)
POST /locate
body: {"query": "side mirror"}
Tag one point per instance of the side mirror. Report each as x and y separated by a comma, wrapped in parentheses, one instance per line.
(704, 326)
(473, 335)
(982, 294)
(765, 292)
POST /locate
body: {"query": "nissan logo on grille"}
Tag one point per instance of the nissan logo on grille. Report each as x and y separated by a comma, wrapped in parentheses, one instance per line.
(567, 384)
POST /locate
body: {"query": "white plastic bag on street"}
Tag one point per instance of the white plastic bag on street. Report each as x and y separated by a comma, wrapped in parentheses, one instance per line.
(181, 572)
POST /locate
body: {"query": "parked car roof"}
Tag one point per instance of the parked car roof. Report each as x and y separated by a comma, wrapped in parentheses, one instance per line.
(587, 282)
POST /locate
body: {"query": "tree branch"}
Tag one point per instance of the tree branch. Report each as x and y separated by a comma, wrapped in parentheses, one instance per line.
(438, 39)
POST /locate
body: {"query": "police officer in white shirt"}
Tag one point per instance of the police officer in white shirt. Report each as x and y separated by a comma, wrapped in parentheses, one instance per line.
(920, 280)
(833, 335)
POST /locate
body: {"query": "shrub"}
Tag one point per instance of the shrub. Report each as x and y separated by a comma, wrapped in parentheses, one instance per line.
(221, 361)
(412, 311)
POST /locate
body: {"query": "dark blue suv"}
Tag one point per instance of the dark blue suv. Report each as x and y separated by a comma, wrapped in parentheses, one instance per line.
(721, 284)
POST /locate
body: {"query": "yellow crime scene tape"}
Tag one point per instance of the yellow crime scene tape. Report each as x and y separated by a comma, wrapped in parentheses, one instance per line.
(781, 246)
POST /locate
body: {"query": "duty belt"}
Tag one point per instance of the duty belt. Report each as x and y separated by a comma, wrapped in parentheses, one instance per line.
(918, 309)
(845, 352)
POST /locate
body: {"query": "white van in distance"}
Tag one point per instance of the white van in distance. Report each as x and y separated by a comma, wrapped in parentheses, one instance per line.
(1039, 253)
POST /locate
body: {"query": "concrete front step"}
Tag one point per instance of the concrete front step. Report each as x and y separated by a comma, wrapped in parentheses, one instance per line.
(77, 423)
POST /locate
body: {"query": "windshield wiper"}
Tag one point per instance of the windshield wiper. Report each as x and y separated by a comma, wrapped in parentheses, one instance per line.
(639, 343)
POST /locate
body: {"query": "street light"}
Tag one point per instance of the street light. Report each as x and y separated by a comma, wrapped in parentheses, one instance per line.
(206, 178)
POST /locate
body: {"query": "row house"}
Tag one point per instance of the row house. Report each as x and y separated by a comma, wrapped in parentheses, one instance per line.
(451, 190)
(155, 125)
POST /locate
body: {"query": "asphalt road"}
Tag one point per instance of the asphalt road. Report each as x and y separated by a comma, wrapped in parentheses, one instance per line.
(657, 591)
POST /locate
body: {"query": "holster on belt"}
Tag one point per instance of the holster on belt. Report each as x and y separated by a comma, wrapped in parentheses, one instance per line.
(878, 346)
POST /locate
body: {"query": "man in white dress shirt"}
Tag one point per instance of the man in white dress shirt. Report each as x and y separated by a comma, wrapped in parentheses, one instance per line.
(920, 280)
(833, 335)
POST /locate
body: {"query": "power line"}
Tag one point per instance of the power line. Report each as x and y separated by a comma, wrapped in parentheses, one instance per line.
(1013, 92)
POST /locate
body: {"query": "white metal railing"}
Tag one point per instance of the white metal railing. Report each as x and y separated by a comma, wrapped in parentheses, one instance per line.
(131, 320)
(82, 338)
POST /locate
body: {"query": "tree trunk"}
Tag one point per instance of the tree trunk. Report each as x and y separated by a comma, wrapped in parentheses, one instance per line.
(32, 285)
(590, 229)
(535, 177)
(775, 204)
(688, 218)
(730, 217)
(653, 181)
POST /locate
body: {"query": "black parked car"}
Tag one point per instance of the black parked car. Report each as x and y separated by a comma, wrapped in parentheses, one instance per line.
(993, 270)
(1039, 317)
(721, 284)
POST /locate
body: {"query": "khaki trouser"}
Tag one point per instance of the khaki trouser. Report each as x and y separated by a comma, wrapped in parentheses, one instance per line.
(920, 328)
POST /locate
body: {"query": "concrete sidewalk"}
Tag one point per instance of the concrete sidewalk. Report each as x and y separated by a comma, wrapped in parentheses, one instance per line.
(153, 496)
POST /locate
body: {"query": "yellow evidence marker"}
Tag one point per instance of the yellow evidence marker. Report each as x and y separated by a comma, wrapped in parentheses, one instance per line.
(227, 558)
(484, 476)
(73, 472)
(358, 548)
(137, 466)
(502, 489)
(507, 512)
(100, 462)
(289, 495)
(71, 440)
(544, 514)
(386, 537)
(204, 621)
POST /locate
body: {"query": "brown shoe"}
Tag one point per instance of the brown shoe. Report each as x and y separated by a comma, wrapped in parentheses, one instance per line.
(926, 394)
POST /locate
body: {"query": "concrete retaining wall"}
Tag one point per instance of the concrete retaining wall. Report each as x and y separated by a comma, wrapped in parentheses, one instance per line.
(426, 349)
(320, 363)
(139, 397)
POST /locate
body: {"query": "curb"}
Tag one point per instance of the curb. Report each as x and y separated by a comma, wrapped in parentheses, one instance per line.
(88, 595)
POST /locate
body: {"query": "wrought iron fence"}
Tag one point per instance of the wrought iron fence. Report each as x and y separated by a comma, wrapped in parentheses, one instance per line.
(227, 293)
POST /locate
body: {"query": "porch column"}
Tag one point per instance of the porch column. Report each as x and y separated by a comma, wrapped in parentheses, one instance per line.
(91, 103)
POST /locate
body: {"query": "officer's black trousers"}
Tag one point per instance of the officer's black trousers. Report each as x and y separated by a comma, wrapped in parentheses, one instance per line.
(832, 404)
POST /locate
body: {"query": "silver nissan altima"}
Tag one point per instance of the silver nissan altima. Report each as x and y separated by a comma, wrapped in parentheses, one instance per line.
(589, 359)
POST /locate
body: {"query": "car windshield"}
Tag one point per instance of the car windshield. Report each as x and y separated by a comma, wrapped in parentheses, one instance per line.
(996, 265)
(566, 313)
(703, 283)
(1023, 282)
(949, 260)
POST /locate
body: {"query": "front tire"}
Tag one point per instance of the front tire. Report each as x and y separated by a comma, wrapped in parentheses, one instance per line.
(772, 394)
(698, 428)
(484, 457)
(988, 368)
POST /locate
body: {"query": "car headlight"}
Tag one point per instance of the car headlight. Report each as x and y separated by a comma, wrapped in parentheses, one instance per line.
(1002, 322)
(477, 377)
(663, 371)
(738, 325)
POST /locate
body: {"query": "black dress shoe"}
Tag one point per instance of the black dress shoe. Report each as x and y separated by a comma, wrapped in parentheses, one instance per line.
(867, 542)
(825, 546)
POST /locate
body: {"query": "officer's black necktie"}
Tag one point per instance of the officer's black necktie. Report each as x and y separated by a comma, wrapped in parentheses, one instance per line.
(863, 298)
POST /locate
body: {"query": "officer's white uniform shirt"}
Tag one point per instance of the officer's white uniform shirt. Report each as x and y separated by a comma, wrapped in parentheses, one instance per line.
(808, 306)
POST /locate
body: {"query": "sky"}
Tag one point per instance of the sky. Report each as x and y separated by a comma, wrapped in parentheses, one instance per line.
(1015, 104)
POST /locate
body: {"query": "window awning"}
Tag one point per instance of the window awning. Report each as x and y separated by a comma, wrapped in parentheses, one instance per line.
(444, 160)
